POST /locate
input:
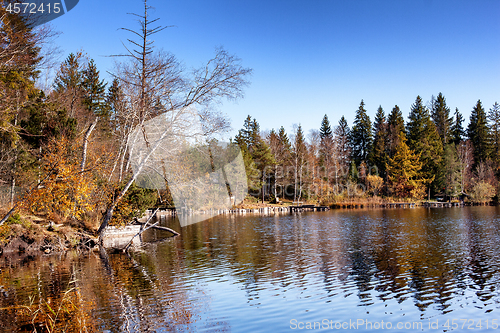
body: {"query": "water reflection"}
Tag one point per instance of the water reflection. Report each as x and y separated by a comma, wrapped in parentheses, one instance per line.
(257, 273)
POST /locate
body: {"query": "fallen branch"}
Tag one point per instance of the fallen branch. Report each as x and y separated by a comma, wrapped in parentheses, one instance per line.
(159, 227)
(144, 227)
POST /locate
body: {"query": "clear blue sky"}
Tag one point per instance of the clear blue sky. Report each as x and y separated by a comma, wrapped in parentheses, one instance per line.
(316, 57)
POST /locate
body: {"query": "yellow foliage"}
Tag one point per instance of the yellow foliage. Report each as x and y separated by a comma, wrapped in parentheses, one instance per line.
(65, 190)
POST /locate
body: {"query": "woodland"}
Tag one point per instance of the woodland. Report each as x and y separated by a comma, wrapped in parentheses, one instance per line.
(65, 155)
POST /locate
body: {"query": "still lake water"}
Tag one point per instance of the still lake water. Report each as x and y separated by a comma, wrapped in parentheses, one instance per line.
(414, 269)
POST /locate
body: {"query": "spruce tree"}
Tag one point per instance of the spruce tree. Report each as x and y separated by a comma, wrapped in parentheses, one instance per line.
(256, 155)
(449, 178)
(94, 89)
(403, 171)
(361, 136)
(260, 152)
(478, 133)
(19, 68)
(494, 118)
(243, 138)
(326, 147)
(68, 83)
(441, 116)
(343, 144)
(424, 139)
(396, 126)
(115, 106)
(325, 130)
(417, 119)
(299, 156)
(380, 135)
(457, 130)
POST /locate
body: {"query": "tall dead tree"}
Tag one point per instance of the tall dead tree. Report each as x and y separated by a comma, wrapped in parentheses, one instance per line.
(156, 84)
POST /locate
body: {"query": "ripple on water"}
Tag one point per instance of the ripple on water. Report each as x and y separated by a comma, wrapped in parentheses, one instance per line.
(258, 273)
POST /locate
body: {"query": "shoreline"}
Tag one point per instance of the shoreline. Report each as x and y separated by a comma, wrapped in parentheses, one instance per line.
(275, 209)
(39, 237)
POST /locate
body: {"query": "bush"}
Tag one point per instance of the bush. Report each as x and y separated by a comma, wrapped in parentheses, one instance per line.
(482, 192)
(134, 204)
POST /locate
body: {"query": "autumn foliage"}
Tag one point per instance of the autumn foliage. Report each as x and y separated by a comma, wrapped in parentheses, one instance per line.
(64, 189)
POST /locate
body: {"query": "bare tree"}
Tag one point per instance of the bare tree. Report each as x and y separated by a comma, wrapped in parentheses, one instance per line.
(466, 160)
(155, 84)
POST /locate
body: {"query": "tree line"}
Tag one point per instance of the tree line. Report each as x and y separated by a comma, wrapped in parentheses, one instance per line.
(430, 155)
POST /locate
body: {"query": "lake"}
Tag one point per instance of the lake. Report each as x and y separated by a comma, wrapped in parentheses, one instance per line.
(416, 269)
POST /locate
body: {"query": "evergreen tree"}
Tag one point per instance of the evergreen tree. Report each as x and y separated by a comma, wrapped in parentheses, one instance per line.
(264, 160)
(361, 136)
(94, 90)
(243, 138)
(342, 141)
(299, 155)
(457, 130)
(68, 83)
(380, 135)
(254, 148)
(326, 147)
(494, 118)
(283, 158)
(449, 181)
(403, 171)
(115, 105)
(44, 121)
(396, 126)
(441, 117)
(284, 141)
(415, 128)
(19, 68)
(256, 155)
(424, 140)
(478, 133)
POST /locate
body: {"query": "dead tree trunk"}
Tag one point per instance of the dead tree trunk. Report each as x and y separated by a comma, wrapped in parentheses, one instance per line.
(86, 142)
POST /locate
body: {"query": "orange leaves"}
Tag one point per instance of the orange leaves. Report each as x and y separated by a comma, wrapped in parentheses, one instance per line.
(65, 191)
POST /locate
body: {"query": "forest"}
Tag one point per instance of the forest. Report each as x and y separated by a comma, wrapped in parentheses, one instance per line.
(64, 148)
(64, 144)
(431, 155)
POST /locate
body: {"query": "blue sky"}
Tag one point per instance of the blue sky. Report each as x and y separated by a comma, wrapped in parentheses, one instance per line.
(316, 57)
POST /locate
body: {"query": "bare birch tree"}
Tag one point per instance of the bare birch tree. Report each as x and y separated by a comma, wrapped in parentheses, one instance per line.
(155, 83)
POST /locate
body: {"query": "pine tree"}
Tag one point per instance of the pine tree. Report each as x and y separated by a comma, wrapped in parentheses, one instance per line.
(441, 117)
(380, 135)
(361, 136)
(457, 130)
(494, 118)
(478, 133)
(396, 126)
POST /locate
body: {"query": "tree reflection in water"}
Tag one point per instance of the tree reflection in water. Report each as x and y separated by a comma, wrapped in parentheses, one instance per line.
(246, 273)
